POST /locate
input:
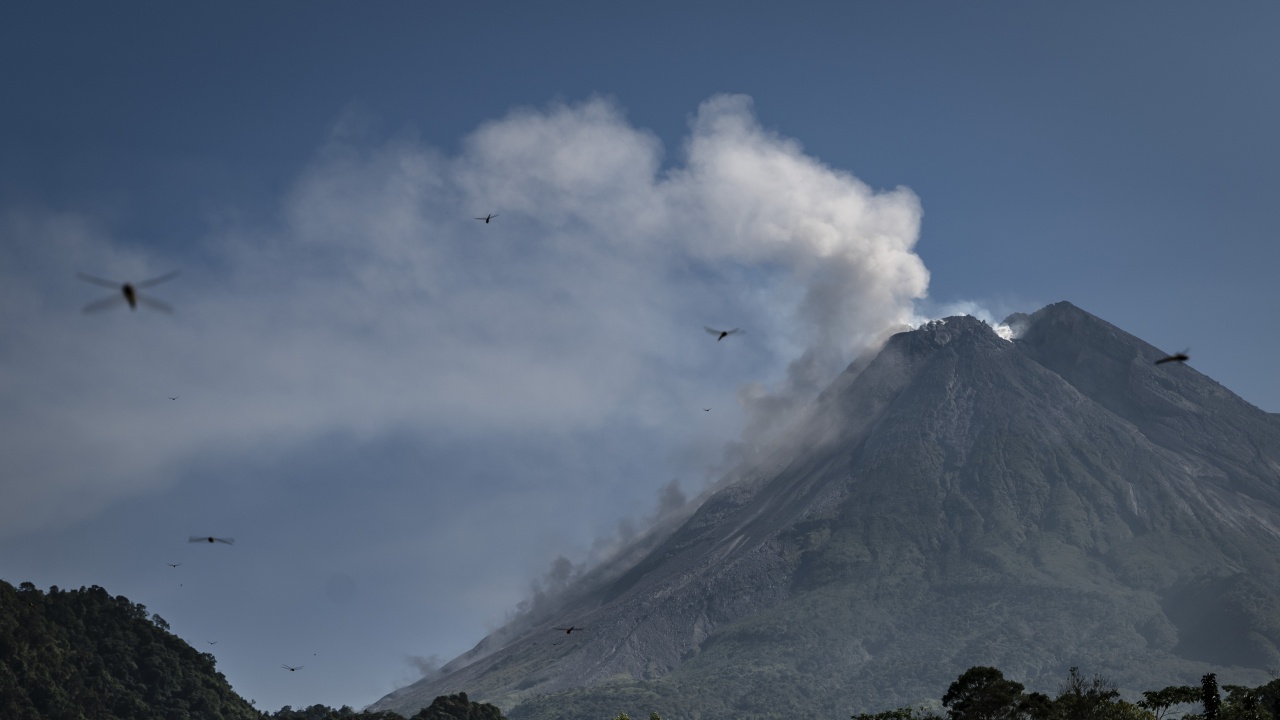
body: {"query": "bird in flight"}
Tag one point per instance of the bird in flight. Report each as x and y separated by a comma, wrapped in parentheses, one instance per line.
(291, 669)
(1177, 357)
(210, 539)
(488, 217)
(128, 293)
(569, 630)
(720, 334)
(173, 565)
(706, 409)
(212, 642)
(173, 397)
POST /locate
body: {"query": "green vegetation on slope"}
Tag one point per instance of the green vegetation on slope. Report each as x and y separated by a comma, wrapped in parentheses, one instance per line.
(84, 655)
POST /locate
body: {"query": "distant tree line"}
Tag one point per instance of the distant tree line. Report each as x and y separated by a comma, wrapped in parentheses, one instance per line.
(445, 707)
(983, 693)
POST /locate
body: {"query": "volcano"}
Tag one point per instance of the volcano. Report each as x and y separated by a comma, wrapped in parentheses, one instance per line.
(958, 499)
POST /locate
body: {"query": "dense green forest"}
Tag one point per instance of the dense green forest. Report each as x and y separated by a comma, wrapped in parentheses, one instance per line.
(85, 655)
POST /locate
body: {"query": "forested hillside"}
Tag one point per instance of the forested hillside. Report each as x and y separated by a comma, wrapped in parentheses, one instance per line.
(72, 654)
(85, 655)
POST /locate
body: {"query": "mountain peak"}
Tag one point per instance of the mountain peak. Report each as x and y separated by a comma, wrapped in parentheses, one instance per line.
(1034, 505)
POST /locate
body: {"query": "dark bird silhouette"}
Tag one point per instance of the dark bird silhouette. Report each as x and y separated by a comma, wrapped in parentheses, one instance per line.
(706, 409)
(1178, 357)
(291, 669)
(212, 642)
(128, 293)
(721, 334)
(174, 397)
(488, 217)
(173, 565)
(569, 630)
(210, 539)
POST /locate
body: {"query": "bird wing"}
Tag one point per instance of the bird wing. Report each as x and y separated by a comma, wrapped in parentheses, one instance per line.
(165, 308)
(711, 330)
(225, 541)
(101, 305)
(193, 538)
(734, 331)
(92, 279)
(157, 280)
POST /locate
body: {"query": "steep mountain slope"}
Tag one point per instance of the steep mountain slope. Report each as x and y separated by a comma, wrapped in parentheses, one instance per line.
(960, 499)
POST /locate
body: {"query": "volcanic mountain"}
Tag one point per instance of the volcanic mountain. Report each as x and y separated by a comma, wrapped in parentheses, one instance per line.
(958, 499)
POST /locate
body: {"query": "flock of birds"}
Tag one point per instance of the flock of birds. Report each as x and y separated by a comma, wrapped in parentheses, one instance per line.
(127, 294)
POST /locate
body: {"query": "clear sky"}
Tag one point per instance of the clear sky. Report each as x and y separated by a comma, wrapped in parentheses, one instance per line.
(403, 415)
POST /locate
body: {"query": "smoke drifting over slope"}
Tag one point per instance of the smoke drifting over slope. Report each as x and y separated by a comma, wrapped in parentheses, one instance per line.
(549, 368)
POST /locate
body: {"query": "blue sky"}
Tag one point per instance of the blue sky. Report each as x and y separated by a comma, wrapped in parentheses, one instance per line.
(403, 416)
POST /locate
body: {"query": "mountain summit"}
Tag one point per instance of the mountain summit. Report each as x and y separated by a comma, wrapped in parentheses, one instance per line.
(960, 499)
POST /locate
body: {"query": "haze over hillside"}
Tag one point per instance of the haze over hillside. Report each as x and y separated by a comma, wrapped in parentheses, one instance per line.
(960, 499)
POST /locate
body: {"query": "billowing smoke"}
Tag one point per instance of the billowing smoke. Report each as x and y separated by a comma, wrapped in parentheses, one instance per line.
(671, 499)
(519, 357)
(425, 667)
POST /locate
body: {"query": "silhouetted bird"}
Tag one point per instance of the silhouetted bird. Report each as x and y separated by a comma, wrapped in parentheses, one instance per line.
(706, 409)
(224, 541)
(291, 669)
(174, 397)
(1179, 357)
(569, 630)
(488, 217)
(721, 334)
(173, 565)
(128, 293)
(212, 642)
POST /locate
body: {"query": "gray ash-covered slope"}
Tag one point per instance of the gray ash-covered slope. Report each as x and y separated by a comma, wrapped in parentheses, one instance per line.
(960, 500)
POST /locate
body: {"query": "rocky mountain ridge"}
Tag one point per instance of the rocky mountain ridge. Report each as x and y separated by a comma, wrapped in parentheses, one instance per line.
(959, 499)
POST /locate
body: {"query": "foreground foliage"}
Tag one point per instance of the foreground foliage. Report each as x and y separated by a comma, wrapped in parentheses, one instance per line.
(85, 655)
(983, 693)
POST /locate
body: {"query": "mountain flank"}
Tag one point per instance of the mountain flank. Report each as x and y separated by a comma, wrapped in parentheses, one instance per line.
(1052, 501)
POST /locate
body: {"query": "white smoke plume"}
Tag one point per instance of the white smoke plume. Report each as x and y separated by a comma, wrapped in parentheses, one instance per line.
(375, 303)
